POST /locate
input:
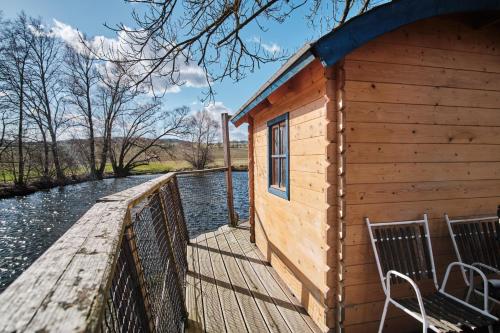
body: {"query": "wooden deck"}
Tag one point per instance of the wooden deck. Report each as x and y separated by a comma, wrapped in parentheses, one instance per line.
(231, 288)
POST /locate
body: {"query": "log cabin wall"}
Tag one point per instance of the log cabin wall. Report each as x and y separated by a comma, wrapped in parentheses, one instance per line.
(292, 233)
(422, 107)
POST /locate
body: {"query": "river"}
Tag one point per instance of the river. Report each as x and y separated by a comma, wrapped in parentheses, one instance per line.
(30, 224)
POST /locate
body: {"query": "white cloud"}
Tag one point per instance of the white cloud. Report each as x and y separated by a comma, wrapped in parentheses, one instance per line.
(235, 133)
(269, 47)
(187, 74)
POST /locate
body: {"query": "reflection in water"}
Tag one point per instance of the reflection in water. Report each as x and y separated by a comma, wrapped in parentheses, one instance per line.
(30, 224)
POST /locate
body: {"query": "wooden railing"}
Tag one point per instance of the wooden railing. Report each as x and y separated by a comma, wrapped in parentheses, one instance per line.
(120, 268)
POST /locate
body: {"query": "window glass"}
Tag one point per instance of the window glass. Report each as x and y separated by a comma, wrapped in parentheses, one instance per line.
(278, 156)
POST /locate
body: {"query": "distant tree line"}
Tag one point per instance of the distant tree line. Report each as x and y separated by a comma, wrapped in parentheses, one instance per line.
(65, 112)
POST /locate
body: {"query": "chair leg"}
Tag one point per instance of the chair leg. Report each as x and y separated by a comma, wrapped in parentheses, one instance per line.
(490, 329)
(469, 293)
(384, 313)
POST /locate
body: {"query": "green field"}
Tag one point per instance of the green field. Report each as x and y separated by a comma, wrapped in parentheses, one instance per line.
(239, 159)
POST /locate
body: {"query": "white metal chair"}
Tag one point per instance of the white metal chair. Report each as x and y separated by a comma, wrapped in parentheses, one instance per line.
(477, 243)
(403, 253)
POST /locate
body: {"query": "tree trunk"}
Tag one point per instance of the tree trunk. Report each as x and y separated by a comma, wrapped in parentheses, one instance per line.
(46, 156)
(20, 152)
(55, 155)
(93, 171)
(104, 154)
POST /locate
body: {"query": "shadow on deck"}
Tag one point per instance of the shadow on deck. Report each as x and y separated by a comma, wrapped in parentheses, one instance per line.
(231, 288)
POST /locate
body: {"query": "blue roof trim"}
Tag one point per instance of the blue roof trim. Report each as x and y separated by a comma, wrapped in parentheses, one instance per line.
(363, 28)
(296, 67)
(382, 19)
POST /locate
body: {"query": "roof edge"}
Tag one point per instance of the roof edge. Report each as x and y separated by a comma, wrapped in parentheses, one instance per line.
(295, 64)
(359, 30)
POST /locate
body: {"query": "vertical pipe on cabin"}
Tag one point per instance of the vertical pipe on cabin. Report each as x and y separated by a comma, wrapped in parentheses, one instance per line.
(227, 164)
(251, 192)
(341, 164)
(331, 196)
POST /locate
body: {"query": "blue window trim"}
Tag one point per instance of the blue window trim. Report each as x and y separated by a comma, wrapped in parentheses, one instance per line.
(280, 193)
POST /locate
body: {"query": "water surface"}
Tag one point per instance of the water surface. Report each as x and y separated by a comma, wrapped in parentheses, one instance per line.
(30, 224)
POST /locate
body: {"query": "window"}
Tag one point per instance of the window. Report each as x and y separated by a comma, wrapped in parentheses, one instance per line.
(278, 156)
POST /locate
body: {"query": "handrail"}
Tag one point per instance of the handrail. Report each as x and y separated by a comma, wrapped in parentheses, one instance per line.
(77, 284)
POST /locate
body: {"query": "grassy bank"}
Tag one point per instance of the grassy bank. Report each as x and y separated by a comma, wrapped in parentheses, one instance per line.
(7, 188)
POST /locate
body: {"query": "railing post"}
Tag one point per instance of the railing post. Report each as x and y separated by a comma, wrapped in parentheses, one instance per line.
(170, 252)
(137, 266)
(227, 163)
(178, 203)
(251, 191)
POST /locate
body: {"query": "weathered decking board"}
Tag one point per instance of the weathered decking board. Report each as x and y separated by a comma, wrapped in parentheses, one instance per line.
(230, 288)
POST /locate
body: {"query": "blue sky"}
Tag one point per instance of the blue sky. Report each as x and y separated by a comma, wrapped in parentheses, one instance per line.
(89, 17)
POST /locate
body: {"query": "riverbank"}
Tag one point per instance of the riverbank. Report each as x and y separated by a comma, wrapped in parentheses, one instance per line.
(9, 190)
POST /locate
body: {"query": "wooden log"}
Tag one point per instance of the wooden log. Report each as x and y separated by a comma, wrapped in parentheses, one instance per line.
(136, 194)
(227, 163)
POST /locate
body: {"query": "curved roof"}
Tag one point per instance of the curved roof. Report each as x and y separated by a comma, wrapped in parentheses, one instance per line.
(333, 46)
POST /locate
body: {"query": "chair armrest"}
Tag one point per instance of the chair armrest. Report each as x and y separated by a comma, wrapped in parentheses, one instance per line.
(471, 281)
(415, 288)
(487, 267)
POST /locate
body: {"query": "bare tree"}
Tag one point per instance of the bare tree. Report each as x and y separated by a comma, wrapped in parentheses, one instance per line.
(47, 86)
(82, 77)
(14, 56)
(6, 139)
(38, 132)
(116, 93)
(210, 34)
(139, 135)
(202, 133)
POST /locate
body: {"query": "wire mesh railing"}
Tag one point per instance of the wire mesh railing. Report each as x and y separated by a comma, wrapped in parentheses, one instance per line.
(155, 242)
(122, 267)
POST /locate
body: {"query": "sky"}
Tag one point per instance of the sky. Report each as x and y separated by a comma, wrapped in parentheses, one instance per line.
(89, 17)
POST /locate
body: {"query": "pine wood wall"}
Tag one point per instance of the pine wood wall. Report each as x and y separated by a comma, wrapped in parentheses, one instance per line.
(292, 234)
(422, 108)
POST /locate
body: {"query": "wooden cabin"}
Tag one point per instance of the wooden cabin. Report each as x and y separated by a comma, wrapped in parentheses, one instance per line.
(392, 115)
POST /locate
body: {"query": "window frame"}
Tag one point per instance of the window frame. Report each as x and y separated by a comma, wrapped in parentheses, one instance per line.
(285, 194)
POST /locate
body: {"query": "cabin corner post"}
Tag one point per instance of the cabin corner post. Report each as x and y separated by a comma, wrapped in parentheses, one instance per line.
(227, 163)
(251, 190)
(340, 193)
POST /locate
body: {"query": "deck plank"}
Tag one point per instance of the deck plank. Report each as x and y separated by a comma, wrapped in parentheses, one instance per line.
(299, 308)
(250, 311)
(272, 316)
(214, 318)
(194, 304)
(230, 307)
(231, 288)
(293, 315)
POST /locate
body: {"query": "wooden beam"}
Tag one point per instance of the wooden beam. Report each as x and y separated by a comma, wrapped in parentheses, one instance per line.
(227, 163)
(251, 190)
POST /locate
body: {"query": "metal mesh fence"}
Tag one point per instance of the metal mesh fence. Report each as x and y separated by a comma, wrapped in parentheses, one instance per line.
(147, 292)
(124, 308)
(204, 200)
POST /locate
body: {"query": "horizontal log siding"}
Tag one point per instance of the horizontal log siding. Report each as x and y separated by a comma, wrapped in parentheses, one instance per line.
(423, 136)
(292, 234)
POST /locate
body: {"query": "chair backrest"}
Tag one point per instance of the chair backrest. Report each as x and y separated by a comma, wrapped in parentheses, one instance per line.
(403, 246)
(476, 239)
